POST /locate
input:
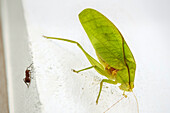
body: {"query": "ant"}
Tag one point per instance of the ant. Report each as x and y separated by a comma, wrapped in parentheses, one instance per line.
(27, 78)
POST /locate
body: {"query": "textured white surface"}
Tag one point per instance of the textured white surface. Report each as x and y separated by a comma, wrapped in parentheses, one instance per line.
(144, 25)
(18, 58)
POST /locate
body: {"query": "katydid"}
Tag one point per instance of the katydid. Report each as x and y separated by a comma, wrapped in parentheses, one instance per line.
(116, 61)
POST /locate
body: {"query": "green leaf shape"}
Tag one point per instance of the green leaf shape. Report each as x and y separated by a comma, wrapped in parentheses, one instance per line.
(109, 45)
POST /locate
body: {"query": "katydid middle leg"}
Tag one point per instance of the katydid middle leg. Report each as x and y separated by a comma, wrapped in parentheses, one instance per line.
(83, 69)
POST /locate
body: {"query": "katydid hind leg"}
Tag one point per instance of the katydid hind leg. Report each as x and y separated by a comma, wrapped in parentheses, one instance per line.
(98, 67)
(101, 85)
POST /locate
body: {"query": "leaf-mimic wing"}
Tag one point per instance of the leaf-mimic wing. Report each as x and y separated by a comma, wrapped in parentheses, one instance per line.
(104, 36)
(109, 44)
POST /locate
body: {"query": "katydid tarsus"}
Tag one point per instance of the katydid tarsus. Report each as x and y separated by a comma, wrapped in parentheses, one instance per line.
(116, 61)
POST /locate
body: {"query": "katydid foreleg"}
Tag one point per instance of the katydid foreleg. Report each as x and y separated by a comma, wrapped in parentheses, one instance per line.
(101, 85)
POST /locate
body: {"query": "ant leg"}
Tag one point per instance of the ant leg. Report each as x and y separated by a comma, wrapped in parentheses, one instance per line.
(27, 84)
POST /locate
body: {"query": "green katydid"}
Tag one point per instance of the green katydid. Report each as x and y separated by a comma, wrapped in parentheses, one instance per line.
(116, 61)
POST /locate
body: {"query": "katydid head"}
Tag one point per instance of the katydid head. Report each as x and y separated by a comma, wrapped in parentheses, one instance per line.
(127, 86)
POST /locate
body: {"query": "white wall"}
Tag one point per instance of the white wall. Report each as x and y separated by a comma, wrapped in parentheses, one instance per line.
(17, 58)
(144, 25)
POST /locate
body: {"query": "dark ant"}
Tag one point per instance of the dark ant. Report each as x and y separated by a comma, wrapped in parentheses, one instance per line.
(27, 78)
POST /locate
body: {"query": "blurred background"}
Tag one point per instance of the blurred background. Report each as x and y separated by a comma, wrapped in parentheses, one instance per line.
(3, 81)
